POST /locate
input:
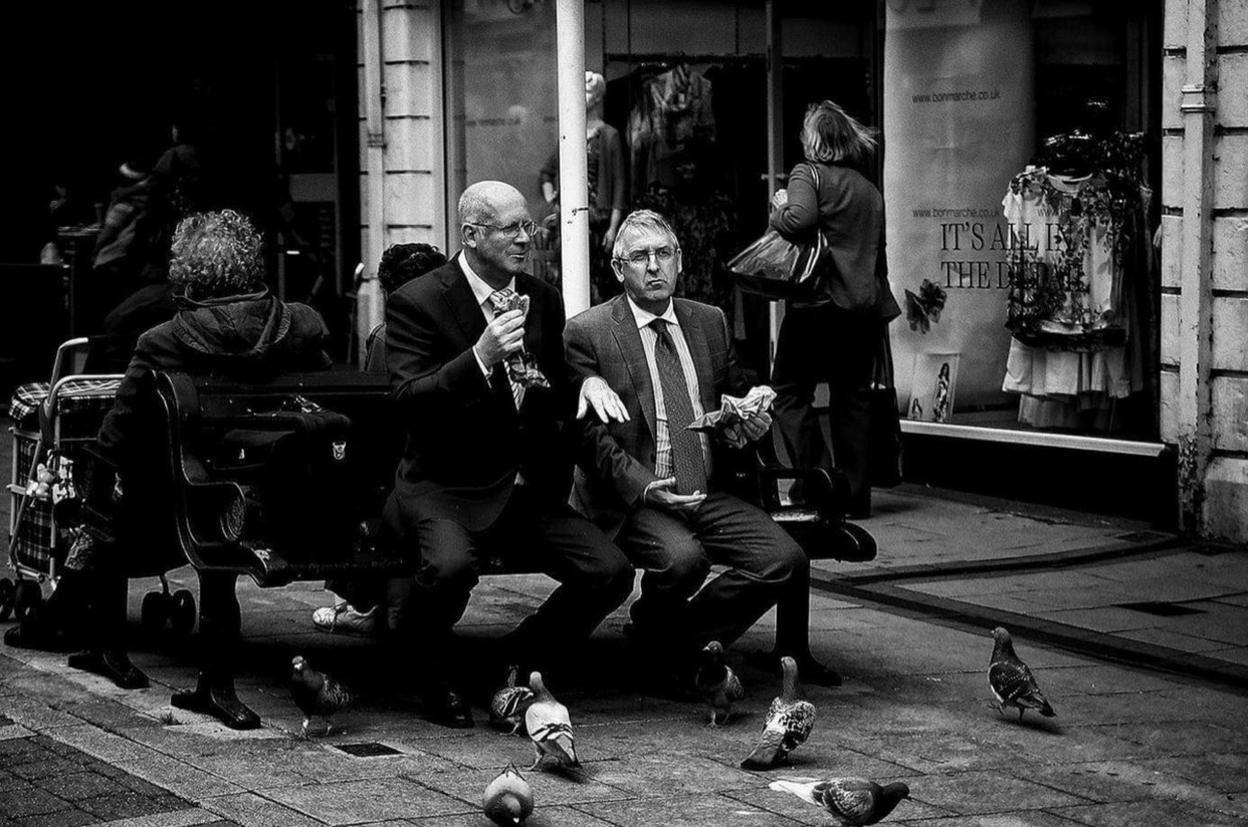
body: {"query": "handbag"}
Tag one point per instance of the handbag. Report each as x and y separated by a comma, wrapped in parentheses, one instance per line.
(781, 270)
(884, 450)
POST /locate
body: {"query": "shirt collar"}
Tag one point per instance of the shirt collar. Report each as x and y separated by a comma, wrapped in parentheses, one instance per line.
(480, 289)
(645, 317)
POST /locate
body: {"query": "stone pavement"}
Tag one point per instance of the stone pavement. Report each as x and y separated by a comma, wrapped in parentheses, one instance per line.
(1084, 595)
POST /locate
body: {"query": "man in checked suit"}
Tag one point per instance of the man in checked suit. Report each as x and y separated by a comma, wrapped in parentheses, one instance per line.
(487, 468)
(652, 484)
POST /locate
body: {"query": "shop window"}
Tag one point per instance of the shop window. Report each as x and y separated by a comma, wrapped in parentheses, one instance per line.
(502, 105)
(1020, 213)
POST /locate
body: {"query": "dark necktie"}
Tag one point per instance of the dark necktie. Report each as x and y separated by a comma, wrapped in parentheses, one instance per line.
(687, 461)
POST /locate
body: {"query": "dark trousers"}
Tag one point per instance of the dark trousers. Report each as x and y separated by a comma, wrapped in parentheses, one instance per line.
(677, 552)
(533, 533)
(824, 344)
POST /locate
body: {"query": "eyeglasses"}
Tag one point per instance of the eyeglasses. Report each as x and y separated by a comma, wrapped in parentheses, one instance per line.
(640, 258)
(511, 230)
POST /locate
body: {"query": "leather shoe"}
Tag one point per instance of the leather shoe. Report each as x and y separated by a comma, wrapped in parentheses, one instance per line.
(446, 708)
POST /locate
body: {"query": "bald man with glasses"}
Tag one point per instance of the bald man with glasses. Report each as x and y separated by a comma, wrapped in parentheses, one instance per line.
(485, 394)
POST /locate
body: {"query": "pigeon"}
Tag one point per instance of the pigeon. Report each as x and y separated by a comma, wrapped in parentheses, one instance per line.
(718, 685)
(1011, 681)
(317, 694)
(549, 727)
(789, 721)
(508, 799)
(851, 801)
(509, 703)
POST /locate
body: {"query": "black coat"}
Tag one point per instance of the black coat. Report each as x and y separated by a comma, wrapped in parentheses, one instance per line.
(238, 336)
(465, 440)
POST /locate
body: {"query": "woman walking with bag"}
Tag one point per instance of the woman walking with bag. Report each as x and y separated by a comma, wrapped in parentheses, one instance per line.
(836, 338)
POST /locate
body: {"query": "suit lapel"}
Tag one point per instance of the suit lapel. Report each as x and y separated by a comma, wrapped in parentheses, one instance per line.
(628, 339)
(461, 301)
(700, 350)
(532, 324)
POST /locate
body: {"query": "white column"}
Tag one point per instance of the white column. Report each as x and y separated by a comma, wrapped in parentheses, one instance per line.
(1195, 434)
(369, 302)
(775, 138)
(573, 178)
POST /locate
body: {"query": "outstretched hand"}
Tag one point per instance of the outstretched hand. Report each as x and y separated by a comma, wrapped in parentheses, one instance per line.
(660, 495)
(607, 405)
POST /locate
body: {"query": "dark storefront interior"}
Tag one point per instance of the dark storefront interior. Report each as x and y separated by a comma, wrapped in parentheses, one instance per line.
(259, 89)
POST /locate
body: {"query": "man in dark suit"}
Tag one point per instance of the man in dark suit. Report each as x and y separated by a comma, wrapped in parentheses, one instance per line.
(656, 486)
(487, 468)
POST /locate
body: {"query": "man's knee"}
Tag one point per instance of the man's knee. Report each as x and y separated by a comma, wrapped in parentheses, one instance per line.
(683, 565)
(613, 576)
(446, 557)
(783, 561)
(791, 561)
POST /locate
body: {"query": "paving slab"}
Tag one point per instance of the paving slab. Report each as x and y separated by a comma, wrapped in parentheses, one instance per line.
(685, 811)
(352, 802)
(1155, 810)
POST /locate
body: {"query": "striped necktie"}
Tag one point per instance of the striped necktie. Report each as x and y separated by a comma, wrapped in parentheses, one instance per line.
(499, 301)
(687, 460)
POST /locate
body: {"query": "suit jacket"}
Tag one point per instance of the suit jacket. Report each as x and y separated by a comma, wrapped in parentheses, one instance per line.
(465, 440)
(615, 462)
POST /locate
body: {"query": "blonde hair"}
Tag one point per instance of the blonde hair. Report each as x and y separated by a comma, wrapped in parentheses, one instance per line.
(830, 135)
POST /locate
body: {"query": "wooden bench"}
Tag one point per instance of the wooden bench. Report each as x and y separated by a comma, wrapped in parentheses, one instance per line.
(285, 480)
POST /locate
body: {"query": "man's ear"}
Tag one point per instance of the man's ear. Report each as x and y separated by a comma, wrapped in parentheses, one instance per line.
(618, 267)
(467, 236)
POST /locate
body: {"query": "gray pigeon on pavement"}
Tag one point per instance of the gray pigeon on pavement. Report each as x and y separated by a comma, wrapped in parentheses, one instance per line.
(1011, 681)
(718, 685)
(509, 703)
(851, 801)
(549, 727)
(508, 799)
(789, 722)
(317, 694)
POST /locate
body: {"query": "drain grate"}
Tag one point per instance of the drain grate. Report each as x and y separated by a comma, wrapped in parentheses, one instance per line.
(367, 750)
(1160, 609)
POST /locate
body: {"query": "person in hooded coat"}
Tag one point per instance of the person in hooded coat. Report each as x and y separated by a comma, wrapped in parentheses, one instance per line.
(226, 323)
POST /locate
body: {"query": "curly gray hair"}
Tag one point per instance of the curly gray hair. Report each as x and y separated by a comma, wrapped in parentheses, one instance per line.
(216, 254)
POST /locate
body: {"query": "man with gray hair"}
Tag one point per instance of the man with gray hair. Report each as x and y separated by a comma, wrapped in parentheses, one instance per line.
(475, 354)
(657, 486)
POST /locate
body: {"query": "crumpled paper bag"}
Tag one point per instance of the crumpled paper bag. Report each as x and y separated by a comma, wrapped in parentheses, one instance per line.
(733, 410)
(521, 366)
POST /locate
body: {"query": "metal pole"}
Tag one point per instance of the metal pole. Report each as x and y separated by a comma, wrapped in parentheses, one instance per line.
(369, 304)
(775, 136)
(573, 178)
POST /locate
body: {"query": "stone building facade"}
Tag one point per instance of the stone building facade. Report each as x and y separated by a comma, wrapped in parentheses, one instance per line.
(1204, 226)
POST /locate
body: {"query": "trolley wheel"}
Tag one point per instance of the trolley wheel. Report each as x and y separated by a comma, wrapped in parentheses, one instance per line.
(182, 612)
(8, 598)
(154, 612)
(28, 599)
